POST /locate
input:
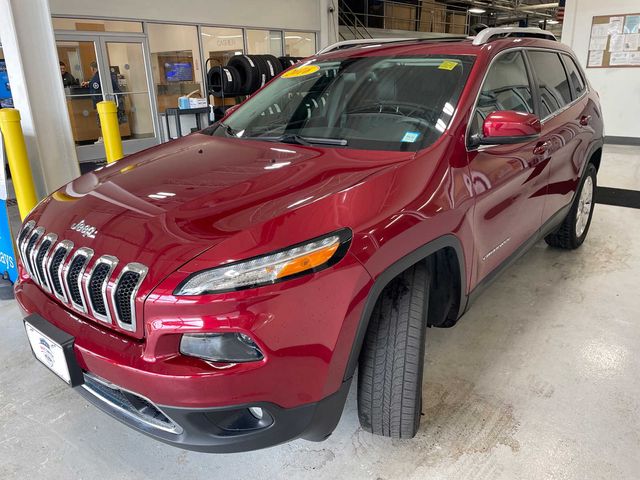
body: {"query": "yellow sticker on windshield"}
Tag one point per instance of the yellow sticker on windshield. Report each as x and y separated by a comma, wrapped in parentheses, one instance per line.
(301, 71)
(448, 65)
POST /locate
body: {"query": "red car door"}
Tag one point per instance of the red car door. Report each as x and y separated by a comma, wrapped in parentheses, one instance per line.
(566, 128)
(508, 181)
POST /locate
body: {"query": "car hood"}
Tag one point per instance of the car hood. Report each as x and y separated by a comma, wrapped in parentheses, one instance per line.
(166, 205)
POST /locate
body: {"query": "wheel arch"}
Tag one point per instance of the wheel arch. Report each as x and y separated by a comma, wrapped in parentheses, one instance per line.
(446, 248)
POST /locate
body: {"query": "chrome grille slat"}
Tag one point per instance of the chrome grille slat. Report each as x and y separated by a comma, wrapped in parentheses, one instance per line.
(41, 257)
(29, 246)
(74, 277)
(97, 287)
(55, 266)
(123, 295)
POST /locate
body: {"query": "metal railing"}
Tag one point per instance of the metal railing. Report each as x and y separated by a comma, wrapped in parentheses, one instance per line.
(421, 16)
(352, 22)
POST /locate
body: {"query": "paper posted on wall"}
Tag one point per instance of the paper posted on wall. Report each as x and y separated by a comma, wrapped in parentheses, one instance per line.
(598, 43)
(632, 24)
(615, 25)
(631, 41)
(619, 58)
(599, 30)
(617, 43)
(595, 58)
(634, 59)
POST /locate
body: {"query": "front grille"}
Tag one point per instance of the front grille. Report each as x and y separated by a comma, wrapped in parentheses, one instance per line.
(124, 294)
(75, 269)
(60, 270)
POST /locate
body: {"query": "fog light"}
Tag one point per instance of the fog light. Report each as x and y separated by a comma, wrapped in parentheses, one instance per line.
(256, 412)
(220, 347)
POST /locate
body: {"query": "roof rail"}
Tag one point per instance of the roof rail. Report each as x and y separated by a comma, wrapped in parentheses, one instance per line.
(360, 42)
(492, 33)
(375, 41)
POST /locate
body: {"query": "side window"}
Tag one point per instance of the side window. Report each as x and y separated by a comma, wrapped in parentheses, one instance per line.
(555, 91)
(506, 87)
(575, 75)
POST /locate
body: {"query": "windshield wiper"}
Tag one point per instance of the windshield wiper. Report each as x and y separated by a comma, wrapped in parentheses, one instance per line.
(300, 140)
(228, 130)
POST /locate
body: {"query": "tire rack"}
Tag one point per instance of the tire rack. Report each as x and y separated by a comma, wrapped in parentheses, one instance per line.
(208, 90)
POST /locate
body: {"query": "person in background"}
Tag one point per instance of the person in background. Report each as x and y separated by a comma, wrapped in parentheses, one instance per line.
(67, 79)
(95, 89)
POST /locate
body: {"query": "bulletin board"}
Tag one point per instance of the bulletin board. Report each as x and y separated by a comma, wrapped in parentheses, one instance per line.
(615, 41)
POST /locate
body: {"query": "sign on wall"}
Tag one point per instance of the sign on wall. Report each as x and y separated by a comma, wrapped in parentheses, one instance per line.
(614, 41)
(7, 256)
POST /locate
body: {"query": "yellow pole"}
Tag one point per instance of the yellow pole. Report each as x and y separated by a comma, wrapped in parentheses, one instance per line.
(110, 130)
(18, 160)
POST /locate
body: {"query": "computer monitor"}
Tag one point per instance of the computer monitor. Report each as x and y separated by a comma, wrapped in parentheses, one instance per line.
(178, 71)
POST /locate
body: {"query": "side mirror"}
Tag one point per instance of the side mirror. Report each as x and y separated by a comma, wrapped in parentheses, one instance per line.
(508, 126)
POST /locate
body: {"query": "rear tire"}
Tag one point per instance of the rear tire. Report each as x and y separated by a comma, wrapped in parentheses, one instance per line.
(575, 226)
(392, 359)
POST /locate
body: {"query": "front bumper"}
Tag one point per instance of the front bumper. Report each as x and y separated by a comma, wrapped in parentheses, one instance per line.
(305, 328)
(217, 430)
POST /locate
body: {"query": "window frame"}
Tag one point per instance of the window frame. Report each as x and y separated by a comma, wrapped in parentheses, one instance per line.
(566, 58)
(535, 91)
(535, 98)
(558, 53)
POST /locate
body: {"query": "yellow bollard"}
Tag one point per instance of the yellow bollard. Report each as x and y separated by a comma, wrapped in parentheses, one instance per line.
(108, 113)
(18, 160)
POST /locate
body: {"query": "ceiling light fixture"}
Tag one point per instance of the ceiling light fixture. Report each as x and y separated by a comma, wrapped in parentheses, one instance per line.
(477, 10)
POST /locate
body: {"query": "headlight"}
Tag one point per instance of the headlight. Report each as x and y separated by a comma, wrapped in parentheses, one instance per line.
(311, 256)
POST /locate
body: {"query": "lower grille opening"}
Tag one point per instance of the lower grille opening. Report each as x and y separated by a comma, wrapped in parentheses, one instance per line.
(134, 406)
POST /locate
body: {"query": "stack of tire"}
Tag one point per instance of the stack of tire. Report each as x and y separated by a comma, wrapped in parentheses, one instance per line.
(244, 74)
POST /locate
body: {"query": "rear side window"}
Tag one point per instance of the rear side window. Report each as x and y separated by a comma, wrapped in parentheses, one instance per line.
(506, 87)
(574, 75)
(555, 91)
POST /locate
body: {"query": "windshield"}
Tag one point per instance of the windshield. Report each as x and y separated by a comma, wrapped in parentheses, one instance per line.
(374, 103)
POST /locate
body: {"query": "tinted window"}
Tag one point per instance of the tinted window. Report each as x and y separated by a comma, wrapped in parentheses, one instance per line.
(555, 92)
(574, 75)
(373, 103)
(506, 87)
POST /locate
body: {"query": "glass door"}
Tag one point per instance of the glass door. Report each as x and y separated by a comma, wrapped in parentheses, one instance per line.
(86, 60)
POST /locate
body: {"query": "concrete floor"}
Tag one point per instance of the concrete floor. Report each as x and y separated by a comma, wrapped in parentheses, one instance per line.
(538, 381)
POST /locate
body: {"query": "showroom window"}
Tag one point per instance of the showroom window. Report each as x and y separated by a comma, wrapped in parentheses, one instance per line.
(506, 87)
(554, 85)
(83, 24)
(574, 75)
(220, 44)
(175, 61)
(299, 44)
(260, 42)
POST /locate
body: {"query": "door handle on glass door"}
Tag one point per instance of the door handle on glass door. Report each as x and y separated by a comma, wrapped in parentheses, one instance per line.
(541, 148)
(584, 120)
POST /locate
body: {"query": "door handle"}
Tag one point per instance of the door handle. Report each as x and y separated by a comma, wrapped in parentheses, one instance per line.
(584, 120)
(541, 148)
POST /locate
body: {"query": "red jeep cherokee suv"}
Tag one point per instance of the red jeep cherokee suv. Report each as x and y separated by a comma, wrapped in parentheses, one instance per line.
(218, 292)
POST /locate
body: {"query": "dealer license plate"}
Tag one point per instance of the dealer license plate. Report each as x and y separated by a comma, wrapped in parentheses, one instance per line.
(50, 353)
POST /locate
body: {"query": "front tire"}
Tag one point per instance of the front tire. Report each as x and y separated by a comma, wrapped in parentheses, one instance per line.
(392, 359)
(575, 226)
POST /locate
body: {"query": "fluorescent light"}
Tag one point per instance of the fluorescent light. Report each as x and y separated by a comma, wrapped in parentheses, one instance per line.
(552, 22)
(477, 10)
